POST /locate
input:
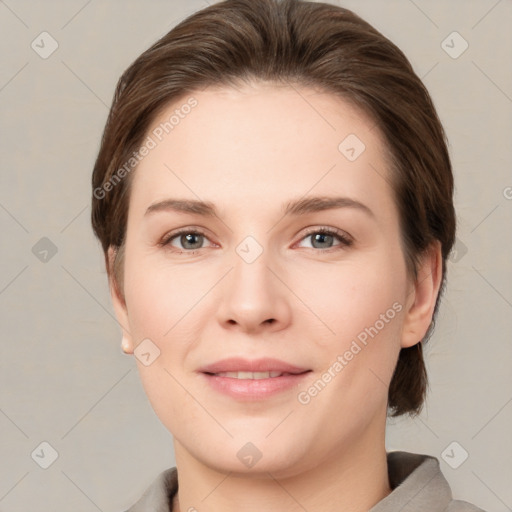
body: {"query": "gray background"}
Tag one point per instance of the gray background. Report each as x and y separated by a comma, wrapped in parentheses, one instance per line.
(64, 379)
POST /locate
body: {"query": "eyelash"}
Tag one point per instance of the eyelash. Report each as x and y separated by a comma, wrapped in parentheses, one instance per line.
(344, 240)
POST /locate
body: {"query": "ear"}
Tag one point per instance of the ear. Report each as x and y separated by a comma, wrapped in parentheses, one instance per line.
(119, 303)
(422, 296)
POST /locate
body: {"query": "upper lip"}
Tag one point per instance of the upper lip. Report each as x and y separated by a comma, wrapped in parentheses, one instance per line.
(237, 364)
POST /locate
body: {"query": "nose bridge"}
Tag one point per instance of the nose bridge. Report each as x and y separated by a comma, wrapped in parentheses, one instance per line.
(253, 296)
(251, 275)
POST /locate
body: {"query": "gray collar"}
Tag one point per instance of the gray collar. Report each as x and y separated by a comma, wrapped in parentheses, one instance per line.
(416, 481)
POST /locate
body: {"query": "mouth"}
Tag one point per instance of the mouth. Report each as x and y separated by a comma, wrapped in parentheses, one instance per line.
(254, 380)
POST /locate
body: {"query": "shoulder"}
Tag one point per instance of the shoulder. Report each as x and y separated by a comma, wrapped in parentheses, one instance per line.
(418, 484)
(158, 496)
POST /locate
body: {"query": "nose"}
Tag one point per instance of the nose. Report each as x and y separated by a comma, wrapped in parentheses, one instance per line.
(254, 297)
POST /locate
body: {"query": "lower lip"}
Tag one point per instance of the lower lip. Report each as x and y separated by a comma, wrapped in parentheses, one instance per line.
(254, 389)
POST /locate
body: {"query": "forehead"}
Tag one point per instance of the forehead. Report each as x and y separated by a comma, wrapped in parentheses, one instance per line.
(261, 143)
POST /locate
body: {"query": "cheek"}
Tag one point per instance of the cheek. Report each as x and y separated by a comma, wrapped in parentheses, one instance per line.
(160, 304)
(166, 305)
(350, 298)
(160, 298)
(363, 305)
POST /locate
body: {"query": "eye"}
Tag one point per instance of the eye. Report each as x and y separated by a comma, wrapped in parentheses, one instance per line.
(189, 240)
(323, 238)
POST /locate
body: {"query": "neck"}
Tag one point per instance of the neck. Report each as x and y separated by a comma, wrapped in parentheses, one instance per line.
(354, 481)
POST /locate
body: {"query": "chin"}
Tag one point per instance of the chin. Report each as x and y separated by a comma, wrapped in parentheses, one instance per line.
(252, 454)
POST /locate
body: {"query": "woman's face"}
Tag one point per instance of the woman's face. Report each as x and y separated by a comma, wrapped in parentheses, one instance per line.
(258, 288)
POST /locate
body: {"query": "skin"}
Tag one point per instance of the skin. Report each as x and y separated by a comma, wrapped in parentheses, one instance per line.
(249, 151)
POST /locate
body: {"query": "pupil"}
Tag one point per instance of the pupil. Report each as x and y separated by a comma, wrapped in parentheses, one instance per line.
(320, 237)
(189, 239)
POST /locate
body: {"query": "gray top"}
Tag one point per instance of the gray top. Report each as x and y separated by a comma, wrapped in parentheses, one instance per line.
(416, 481)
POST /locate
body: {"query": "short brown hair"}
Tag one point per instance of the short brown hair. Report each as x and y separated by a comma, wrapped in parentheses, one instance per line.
(304, 43)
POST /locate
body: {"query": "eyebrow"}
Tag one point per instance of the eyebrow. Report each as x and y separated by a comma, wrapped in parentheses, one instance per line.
(296, 207)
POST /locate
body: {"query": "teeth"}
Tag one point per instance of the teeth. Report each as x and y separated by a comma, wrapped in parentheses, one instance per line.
(249, 375)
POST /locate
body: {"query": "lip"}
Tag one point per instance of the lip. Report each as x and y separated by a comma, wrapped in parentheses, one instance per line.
(253, 389)
(238, 364)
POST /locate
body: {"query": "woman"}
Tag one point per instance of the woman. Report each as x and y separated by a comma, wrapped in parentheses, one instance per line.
(273, 195)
